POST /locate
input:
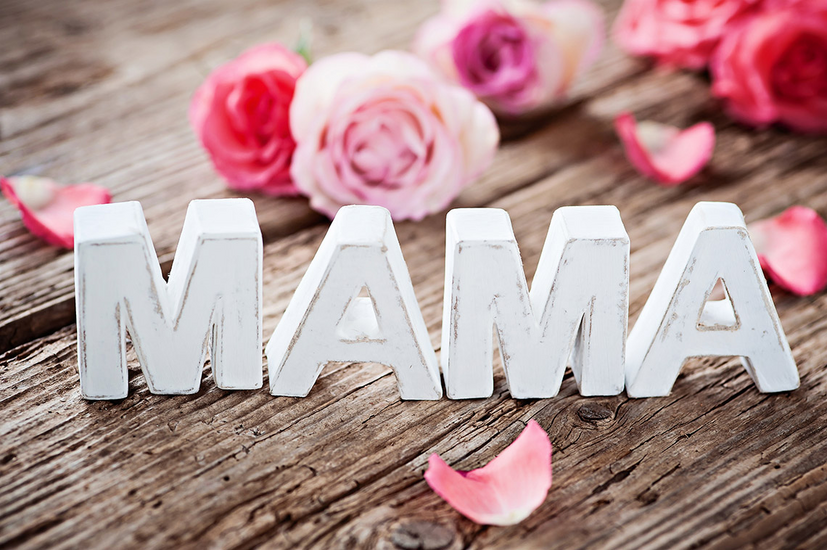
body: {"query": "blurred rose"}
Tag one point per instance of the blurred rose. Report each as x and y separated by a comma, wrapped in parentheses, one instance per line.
(241, 115)
(515, 55)
(773, 67)
(677, 33)
(384, 130)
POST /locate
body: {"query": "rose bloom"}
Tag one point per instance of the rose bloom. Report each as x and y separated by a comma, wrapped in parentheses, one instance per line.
(241, 116)
(386, 131)
(516, 56)
(773, 67)
(677, 33)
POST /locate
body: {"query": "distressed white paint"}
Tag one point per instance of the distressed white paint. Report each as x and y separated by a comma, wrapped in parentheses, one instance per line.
(577, 307)
(679, 322)
(328, 321)
(214, 294)
(356, 303)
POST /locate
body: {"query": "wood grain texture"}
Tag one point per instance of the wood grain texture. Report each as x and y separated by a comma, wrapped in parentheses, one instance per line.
(98, 91)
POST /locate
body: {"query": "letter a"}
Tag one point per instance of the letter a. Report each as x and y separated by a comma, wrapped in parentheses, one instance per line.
(680, 321)
(327, 319)
(214, 294)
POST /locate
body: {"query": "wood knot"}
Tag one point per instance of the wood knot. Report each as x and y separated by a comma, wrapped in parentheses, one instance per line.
(422, 535)
(592, 412)
(648, 496)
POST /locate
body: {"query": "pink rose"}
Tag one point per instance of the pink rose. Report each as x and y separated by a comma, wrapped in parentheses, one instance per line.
(514, 55)
(677, 33)
(773, 67)
(241, 116)
(384, 130)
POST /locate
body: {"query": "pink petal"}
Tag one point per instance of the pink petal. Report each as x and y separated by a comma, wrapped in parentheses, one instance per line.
(47, 208)
(507, 489)
(664, 153)
(792, 249)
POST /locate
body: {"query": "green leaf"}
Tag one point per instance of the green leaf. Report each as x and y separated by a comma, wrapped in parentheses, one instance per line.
(303, 44)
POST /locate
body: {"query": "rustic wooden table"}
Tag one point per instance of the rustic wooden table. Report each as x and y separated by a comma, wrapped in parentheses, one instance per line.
(99, 91)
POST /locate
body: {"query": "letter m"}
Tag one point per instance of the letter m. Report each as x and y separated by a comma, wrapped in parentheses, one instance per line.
(213, 295)
(576, 311)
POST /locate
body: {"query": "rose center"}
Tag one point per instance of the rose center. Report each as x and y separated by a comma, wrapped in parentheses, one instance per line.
(801, 72)
(494, 54)
(387, 149)
(255, 110)
(504, 47)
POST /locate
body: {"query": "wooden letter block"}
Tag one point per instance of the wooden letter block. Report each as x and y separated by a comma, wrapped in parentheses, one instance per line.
(680, 321)
(327, 319)
(577, 308)
(214, 295)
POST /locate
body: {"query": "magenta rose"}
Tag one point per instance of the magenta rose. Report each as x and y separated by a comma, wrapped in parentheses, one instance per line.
(677, 33)
(241, 115)
(773, 67)
(385, 130)
(495, 58)
(515, 56)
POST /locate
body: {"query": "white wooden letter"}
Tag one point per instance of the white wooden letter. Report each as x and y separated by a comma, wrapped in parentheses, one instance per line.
(577, 307)
(680, 321)
(214, 294)
(328, 321)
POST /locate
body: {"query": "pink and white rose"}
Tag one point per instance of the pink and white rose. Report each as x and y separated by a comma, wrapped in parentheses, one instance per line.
(241, 116)
(515, 55)
(773, 67)
(385, 130)
(677, 33)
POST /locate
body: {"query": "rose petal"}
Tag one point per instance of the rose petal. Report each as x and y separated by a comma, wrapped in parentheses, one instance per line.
(47, 208)
(792, 249)
(664, 153)
(507, 489)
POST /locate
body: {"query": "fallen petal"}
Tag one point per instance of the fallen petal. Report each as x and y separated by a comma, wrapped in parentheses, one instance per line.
(47, 208)
(665, 153)
(507, 489)
(792, 249)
